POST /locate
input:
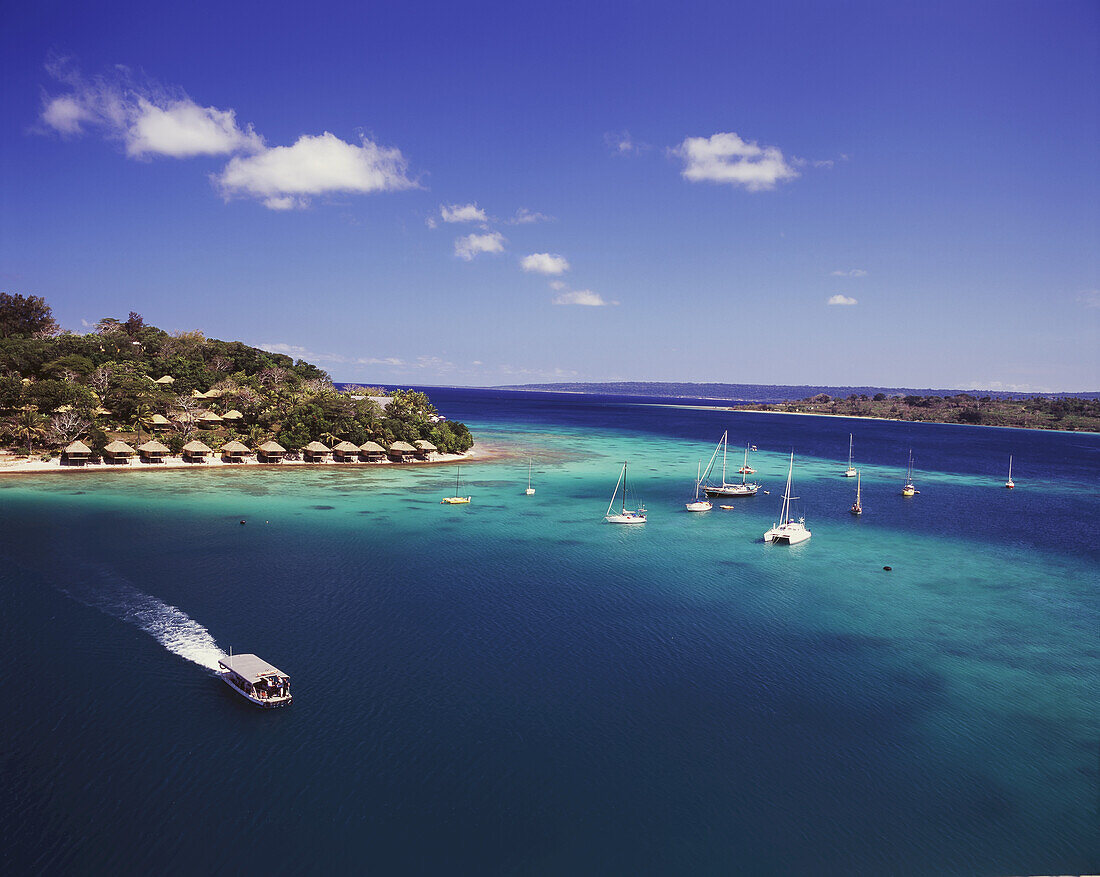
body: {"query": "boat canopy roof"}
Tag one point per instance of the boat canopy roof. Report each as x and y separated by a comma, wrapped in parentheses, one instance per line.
(251, 667)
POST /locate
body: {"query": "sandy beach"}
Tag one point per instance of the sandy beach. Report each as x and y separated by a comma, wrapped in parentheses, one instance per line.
(22, 465)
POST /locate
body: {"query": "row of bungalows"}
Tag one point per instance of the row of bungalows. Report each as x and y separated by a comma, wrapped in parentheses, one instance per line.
(153, 451)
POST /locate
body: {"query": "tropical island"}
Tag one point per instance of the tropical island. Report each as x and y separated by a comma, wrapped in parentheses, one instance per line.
(129, 390)
(1065, 411)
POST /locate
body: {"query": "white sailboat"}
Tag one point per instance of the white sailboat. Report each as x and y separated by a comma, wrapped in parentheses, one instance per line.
(624, 515)
(1010, 483)
(746, 469)
(698, 505)
(909, 489)
(745, 488)
(530, 490)
(850, 472)
(788, 531)
(857, 506)
(457, 499)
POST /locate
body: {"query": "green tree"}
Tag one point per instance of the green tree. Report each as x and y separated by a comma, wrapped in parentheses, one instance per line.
(30, 426)
(25, 316)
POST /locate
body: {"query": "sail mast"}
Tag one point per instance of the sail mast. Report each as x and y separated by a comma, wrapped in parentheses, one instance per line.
(724, 445)
(616, 493)
(849, 450)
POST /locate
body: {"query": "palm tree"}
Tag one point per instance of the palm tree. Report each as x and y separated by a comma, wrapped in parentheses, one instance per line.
(143, 415)
(29, 425)
(330, 439)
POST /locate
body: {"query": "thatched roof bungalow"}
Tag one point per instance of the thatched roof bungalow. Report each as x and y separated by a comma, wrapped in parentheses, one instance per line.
(196, 451)
(372, 452)
(402, 452)
(425, 449)
(165, 381)
(102, 412)
(154, 452)
(233, 415)
(271, 452)
(315, 452)
(158, 421)
(118, 453)
(209, 418)
(346, 452)
(76, 454)
(235, 452)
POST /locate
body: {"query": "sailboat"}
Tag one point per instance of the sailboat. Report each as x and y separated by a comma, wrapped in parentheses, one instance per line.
(909, 489)
(745, 488)
(530, 490)
(788, 531)
(746, 469)
(698, 505)
(857, 506)
(456, 499)
(1010, 483)
(624, 515)
(849, 472)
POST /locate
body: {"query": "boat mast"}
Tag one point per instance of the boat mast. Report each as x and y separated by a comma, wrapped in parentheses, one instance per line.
(528, 474)
(625, 488)
(724, 445)
(858, 476)
(849, 450)
(616, 493)
(1010, 467)
(785, 512)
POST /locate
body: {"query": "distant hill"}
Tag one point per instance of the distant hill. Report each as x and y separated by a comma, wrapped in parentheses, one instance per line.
(767, 392)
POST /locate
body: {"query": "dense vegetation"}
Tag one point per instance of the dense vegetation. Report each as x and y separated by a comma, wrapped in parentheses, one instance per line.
(56, 387)
(1036, 412)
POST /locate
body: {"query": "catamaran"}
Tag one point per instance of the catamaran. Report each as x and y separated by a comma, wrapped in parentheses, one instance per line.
(857, 507)
(457, 499)
(1010, 483)
(255, 680)
(788, 531)
(624, 515)
(698, 505)
(745, 488)
(850, 472)
(530, 490)
(909, 489)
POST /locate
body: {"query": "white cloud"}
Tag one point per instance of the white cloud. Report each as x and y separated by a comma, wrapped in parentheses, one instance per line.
(621, 143)
(582, 297)
(1090, 298)
(468, 246)
(430, 222)
(726, 158)
(524, 217)
(557, 284)
(462, 213)
(839, 299)
(149, 119)
(285, 176)
(544, 263)
(854, 272)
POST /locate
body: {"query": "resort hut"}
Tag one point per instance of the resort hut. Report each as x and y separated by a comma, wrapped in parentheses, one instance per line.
(209, 418)
(118, 453)
(196, 452)
(158, 421)
(315, 452)
(165, 381)
(402, 452)
(233, 415)
(372, 452)
(425, 449)
(198, 394)
(154, 452)
(235, 452)
(102, 412)
(346, 452)
(213, 394)
(76, 454)
(271, 452)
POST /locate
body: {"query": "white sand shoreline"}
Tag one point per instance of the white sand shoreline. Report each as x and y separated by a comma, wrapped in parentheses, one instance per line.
(10, 465)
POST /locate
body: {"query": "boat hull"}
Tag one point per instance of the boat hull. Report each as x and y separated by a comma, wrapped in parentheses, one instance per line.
(850, 473)
(698, 506)
(455, 500)
(786, 535)
(267, 703)
(625, 519)
(530, 491)
(732, 490)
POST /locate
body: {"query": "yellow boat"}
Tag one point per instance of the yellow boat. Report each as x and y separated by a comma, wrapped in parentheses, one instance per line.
(456, 499)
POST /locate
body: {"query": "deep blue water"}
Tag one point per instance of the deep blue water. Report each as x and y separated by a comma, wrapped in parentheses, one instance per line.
(514, 687)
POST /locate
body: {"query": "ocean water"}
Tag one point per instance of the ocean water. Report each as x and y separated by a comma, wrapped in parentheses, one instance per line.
(515, 687)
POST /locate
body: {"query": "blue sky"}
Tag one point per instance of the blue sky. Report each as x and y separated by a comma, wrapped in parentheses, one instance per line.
(481, 194)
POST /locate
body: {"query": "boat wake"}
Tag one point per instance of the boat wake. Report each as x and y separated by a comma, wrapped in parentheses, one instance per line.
(171, 627)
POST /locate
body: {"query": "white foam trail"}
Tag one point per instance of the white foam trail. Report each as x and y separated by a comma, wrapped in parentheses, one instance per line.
(171, 627)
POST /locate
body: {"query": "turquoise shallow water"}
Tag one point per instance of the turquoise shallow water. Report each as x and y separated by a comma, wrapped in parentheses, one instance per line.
(515, 687)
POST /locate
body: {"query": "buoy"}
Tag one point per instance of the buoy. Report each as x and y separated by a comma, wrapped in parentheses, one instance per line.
(887, 568)
(242, 523)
